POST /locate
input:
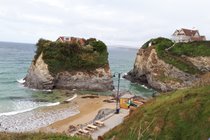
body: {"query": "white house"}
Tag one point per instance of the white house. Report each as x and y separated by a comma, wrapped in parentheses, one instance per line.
(187, 35)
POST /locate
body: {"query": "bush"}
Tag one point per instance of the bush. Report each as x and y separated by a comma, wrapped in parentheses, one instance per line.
(98, 46)
(161, 40)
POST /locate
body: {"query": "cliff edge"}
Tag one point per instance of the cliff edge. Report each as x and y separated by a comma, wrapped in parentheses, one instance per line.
(70, 65)
(166, 66)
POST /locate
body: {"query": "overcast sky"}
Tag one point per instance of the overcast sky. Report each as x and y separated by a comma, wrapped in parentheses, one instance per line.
(125, 22)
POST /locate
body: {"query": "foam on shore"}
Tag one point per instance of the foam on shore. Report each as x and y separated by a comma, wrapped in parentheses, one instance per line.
(144, 86)
(29, 109)
(72, 98)
(21, 81)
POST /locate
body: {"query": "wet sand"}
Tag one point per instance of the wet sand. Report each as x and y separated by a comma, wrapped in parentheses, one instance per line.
(88, 108)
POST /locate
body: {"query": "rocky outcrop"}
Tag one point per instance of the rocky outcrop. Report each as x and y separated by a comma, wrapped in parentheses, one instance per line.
(201, 62)
(154, 72)
(39, 77)
(97, 80)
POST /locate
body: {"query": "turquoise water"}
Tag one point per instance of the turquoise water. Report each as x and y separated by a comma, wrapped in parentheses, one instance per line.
(121, 60)
(15, 59)
(14, 62)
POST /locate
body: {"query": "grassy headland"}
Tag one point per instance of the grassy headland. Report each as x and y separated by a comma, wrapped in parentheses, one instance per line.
(175, 55)
(65, 56)
(182, 114)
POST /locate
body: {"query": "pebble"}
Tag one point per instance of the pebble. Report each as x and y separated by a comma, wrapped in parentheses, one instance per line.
(32, 120)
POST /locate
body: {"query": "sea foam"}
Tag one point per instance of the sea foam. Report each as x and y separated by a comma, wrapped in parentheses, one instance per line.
(21, 81)
(72, 98)
(144, 86)
(29, 109)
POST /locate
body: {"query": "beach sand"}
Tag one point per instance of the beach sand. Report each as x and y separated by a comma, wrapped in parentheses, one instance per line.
(88, 108)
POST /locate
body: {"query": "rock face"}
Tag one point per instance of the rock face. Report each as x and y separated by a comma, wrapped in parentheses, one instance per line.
(39, 77)
(154, 72)
(202, 63)
(97, 80)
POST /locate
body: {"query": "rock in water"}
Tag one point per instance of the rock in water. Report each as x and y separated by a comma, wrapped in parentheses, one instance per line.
(64, 65)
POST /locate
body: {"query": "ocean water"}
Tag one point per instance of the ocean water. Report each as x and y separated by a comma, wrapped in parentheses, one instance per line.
(121, 60)
(15, 59)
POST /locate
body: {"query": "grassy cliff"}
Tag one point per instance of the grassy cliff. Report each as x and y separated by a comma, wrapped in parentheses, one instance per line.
(66, 56)
(174, 53)
(183, 114)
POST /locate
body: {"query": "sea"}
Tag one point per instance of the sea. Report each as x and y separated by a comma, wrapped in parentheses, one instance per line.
(15, 99)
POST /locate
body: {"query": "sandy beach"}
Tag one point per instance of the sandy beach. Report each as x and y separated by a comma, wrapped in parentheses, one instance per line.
(88, 107)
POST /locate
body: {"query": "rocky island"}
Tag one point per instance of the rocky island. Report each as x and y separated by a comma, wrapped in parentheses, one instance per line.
(70, 63)
(165, 65)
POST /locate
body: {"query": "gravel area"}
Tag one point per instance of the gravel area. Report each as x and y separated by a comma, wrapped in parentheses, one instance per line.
(32, 120)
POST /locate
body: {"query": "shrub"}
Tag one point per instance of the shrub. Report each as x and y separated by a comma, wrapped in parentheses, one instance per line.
(98, 46)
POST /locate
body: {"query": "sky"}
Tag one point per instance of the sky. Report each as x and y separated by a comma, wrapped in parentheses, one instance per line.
(116, 22)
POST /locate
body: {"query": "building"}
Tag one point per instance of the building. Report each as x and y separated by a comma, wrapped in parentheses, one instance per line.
(80, 41)
(187, 35)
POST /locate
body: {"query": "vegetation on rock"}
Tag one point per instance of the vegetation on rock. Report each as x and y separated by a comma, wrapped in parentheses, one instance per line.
(174, 54)
(182, 114)
(66, 56)
(199, 48)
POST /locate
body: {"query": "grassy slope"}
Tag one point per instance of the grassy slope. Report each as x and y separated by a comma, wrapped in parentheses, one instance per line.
(173, 56)
(36, 136)
(183, 114)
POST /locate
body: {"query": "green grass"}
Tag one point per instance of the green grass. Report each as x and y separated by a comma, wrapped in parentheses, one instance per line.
(178, 115)
(71, 56)
(37, 136)
(174, 55)
(200, 48)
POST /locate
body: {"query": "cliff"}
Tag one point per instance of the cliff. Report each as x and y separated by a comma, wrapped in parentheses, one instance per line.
(67, 65)
(165, 66)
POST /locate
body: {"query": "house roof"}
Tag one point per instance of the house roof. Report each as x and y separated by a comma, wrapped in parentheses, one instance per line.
(194, 35)
(189, 32)
(72, 39)
(63, 38)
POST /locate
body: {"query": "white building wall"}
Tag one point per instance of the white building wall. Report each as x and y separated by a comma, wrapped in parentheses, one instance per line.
(180, 38)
